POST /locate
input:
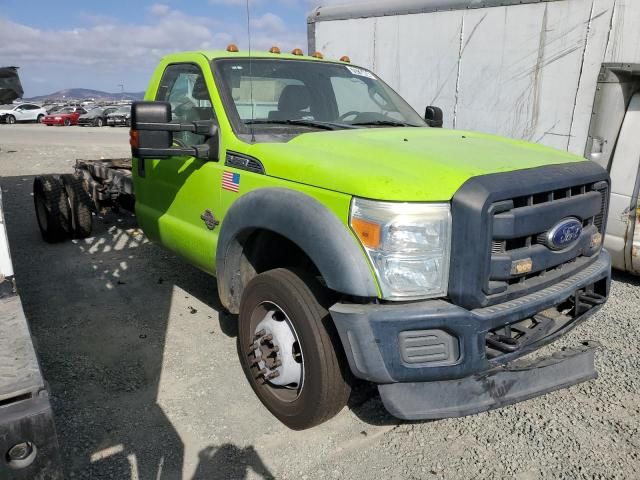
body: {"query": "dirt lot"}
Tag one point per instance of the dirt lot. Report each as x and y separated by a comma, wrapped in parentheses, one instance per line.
(146, 385)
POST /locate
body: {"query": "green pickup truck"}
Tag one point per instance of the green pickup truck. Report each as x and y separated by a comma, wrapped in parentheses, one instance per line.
(353, 237)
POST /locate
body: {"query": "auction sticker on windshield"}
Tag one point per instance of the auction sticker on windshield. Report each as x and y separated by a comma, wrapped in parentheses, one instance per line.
(360, 72)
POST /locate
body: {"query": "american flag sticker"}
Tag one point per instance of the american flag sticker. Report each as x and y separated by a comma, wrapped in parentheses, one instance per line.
(231, 181)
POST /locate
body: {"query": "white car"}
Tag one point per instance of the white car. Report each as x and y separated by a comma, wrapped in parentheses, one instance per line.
(21, 112)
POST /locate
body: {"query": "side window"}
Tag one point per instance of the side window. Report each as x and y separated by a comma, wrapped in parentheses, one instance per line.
(183, 86)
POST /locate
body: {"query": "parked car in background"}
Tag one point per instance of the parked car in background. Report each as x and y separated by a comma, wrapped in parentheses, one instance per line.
(122, 116)
(22, 112)
(51, 108)
(66, 116)
(96, 117)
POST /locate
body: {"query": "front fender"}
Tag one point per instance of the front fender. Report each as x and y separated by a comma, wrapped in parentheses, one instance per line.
(305, 222)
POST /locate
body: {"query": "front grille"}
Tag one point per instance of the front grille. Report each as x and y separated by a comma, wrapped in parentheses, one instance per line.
(586, 202)
(508, 216)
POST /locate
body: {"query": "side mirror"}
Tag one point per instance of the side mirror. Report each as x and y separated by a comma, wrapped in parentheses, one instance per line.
(433, 116)
(152, 133)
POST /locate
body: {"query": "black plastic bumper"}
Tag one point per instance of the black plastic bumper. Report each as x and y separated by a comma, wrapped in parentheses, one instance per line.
(497, 388)
(373, 334)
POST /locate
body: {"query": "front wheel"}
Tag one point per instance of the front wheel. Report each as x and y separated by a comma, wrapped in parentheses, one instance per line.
(40, 118)
(289, 349)
(11, 119)
(99, 122)
(67, 122)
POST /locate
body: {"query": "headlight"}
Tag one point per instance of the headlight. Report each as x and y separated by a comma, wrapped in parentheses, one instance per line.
(408, 245)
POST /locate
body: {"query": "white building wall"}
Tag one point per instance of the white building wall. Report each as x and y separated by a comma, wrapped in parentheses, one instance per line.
(524, 71)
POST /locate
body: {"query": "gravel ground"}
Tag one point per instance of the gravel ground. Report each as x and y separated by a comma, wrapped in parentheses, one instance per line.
(146, 385)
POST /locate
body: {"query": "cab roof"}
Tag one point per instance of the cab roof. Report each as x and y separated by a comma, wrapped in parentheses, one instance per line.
(216, 54)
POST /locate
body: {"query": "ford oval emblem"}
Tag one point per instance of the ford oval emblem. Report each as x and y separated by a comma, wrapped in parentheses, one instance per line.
(564, 233)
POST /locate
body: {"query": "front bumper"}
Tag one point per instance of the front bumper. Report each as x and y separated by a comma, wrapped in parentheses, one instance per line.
(376, 338)
(53, 121)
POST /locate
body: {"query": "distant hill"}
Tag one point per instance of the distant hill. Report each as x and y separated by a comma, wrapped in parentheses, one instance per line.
(82, 93)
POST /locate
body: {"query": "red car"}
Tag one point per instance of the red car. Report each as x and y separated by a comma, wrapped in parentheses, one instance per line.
(67, 116)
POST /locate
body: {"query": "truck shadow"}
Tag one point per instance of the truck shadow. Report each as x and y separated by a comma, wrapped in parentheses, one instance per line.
(626, 277)
(230, 462)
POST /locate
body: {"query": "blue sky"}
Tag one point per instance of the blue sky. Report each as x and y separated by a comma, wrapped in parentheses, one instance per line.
(103, 44)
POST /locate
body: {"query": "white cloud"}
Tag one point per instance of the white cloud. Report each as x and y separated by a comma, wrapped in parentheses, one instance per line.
(269, 22)
(316, 3)
(159, 9)
(235, 3)
(115, 45)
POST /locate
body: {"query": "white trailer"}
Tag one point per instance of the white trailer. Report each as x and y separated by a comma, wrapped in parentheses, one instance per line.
(564, 73)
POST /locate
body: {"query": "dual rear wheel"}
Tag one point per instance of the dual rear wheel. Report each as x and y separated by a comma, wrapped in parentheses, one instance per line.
(63, 207)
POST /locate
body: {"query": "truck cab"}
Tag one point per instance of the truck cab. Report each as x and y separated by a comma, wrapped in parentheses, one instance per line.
(351, 238)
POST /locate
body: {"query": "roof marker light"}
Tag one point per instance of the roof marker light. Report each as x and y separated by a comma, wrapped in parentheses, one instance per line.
(345, 59)
(317, 55)
(297, 51)
(232, 47)
(274, 49)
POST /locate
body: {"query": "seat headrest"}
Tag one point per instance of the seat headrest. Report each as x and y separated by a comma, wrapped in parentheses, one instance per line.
(200, 91)
(294, 98)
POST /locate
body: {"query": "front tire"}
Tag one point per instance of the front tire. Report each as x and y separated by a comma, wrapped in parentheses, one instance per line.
(11, 119)
(52, 208)
(289, 349)
(99, 122)
(39, 119)
(67, 122)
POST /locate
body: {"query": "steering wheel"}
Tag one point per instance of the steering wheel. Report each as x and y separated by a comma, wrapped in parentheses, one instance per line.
(351, 113)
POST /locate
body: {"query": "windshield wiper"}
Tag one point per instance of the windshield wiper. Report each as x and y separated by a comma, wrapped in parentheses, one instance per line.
(303, 123)
(386, 123)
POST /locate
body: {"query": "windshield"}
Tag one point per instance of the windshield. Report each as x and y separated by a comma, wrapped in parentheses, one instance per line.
(308, 94)
(67, 110)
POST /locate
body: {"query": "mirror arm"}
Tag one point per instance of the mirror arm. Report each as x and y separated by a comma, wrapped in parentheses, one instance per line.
(198, 151)
(199, 127)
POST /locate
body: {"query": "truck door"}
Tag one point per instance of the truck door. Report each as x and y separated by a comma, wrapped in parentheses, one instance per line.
(623, 231)
(178, 199)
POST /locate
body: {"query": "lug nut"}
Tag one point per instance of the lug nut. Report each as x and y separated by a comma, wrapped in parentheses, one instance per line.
(273, 375)
(266, 338)
(260, 333)
(20, 451)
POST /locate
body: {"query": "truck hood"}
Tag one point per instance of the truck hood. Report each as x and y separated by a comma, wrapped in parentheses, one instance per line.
(402, 164)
